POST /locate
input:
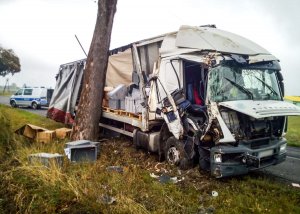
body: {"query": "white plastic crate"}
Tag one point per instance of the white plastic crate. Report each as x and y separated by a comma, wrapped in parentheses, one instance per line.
(118, 93)
(113, 103)
(133, 105)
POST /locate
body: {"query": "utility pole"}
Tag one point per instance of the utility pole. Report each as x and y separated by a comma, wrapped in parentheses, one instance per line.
(6, 85)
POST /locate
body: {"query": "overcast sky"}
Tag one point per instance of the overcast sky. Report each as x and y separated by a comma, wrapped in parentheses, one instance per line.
(41, 32)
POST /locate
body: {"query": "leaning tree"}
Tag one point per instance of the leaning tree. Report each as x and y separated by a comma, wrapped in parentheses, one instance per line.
(9, 62)
(88, 115)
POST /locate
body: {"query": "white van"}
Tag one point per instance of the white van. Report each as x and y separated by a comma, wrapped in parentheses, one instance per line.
(33, 97)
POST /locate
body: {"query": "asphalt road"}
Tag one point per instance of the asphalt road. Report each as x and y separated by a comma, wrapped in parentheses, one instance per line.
(43, 111)
(289, 170)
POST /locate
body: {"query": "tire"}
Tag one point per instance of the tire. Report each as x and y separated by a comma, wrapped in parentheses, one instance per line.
(175, 154)
(204, 159)
(13, 104)
(34, 105)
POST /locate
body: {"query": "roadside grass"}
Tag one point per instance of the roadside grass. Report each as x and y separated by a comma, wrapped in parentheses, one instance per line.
(87, 187)
(18, 118)
(293, 133)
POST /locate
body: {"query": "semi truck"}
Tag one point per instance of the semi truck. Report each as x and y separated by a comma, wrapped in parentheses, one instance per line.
(204, 95)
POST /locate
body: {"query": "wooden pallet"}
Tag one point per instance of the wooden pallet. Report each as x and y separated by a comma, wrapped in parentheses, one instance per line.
(122, 113)
(110, 110)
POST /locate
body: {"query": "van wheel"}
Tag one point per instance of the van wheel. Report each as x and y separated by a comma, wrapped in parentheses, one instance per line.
(34, 105)
(13, 104)
(175, 154)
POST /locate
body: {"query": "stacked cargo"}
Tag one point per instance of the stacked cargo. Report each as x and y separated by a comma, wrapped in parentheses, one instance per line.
(117, 97)
(133, 102)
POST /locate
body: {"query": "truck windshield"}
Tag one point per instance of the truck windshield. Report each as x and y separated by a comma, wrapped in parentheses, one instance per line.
(241, 83)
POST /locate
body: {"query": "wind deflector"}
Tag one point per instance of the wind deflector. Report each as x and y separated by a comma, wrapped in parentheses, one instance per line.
(207, 38)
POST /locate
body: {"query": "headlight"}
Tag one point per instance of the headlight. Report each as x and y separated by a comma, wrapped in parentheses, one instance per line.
(218, 157)
(282, 148)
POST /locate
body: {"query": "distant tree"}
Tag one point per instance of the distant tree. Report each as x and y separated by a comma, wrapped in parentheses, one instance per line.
(9, 62)
(89, 109)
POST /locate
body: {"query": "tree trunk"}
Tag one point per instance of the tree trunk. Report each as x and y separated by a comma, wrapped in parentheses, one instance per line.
(89, 109)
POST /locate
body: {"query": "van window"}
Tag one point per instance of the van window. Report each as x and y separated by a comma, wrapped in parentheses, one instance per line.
(19, 92)
(28, 92)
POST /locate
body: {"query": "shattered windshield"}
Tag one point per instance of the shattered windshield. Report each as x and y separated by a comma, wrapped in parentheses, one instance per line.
(242, 83)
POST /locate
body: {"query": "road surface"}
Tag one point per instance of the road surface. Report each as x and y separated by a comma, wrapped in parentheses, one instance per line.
(289, 170)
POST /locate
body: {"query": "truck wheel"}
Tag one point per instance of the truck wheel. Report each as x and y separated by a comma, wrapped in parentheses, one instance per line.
(34, 105)
(175, 154)
(204, 159)
(13, 104)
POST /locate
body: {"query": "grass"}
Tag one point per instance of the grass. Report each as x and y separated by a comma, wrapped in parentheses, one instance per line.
(83, 188)
(293, 133)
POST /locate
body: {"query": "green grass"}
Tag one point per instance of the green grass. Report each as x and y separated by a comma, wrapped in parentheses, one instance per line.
(19, 117)
(293, 133)
(80, 188)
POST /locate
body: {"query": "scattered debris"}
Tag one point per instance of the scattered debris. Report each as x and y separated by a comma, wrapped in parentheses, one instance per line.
(152, 175)
(45, 136)
(42, 135)
(296, 185)
(82, 150)
(30, 131)
(106, 199)
(166, 178)
(118, 169)
(214, 194)
(46, 159)
(63, 133)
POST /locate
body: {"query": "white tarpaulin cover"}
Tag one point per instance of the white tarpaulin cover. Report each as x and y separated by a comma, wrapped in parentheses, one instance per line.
(119, 69)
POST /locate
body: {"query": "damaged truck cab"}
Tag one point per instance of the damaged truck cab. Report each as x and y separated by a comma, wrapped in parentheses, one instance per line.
(204, 95)
(221, 98)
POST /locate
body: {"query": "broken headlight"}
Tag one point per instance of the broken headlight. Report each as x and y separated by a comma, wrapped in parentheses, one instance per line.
(282, 149)
(218, 157)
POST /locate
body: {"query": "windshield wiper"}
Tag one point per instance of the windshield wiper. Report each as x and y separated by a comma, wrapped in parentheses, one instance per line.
(268, 86)
(241, 88)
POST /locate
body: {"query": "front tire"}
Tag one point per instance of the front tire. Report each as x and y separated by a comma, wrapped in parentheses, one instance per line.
(13, 104)
(175, 154)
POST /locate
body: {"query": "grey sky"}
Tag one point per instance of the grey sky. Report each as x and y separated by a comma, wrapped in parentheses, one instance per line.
(42, 31)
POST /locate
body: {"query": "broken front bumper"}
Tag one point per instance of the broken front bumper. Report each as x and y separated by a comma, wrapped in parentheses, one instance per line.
(229, 160)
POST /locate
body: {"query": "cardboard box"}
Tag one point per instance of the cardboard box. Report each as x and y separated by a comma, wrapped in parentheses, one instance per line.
(107, 89)
(45, 136)
(63, 133)
(30, 131)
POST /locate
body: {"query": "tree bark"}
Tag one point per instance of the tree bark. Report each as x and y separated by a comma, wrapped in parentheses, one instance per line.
(89, 109)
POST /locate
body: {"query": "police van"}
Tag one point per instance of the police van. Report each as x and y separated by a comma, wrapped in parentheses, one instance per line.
(32, 97)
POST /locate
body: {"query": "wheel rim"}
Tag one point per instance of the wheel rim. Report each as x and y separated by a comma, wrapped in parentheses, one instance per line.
(34, 105)
(173, 156)
(13, 103)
